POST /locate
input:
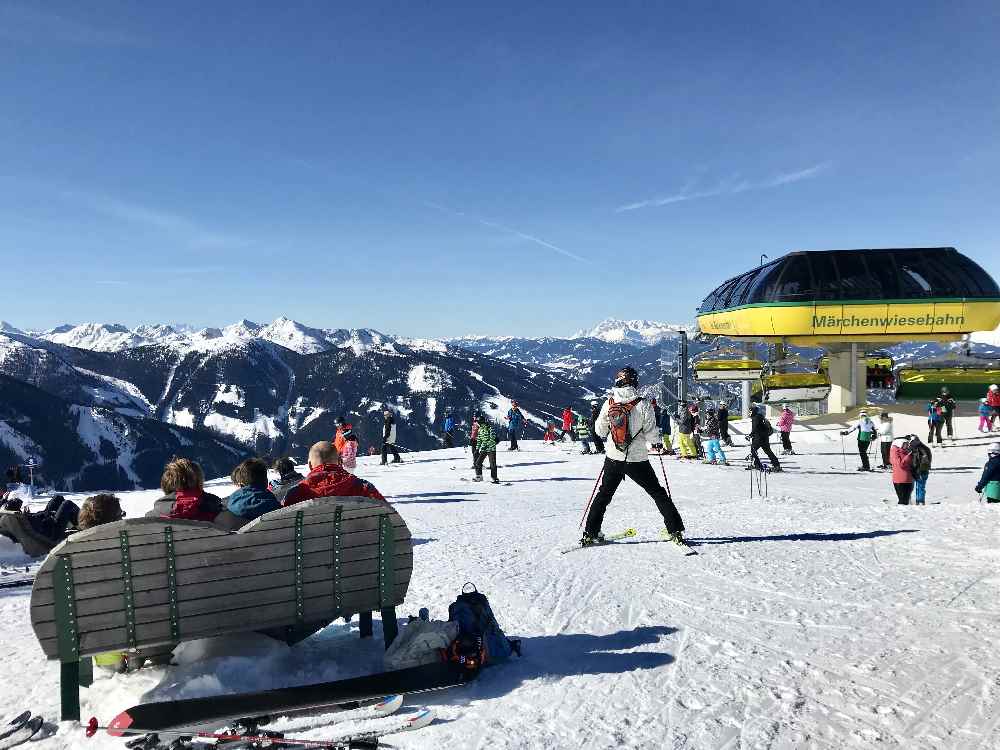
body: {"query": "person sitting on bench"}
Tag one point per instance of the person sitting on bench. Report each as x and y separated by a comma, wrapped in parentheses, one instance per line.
(327, 478)
(252, 499)
(288, 477)
(183, 485)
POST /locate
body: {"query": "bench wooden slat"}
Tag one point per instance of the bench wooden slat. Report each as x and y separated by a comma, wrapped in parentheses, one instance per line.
(150, 530)
(115, 620)
(186, 547)
(245, 555)
(112, 585)
(316, 609)
(187, 591)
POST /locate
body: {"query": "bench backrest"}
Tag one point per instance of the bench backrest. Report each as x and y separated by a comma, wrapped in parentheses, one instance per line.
(145, 582)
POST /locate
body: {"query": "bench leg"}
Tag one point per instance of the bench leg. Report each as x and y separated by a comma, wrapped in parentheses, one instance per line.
(86, 671)
(389, 628)
(69, 689)
(365, 619)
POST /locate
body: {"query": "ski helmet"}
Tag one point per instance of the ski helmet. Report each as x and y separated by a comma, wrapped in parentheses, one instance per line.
(994, 449)
(995, 387)
(944, 391)
(626, 376)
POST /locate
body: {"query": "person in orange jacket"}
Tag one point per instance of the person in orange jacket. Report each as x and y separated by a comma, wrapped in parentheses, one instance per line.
(342, 427)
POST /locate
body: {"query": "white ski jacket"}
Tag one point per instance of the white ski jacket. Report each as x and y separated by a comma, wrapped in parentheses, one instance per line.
(641, 425)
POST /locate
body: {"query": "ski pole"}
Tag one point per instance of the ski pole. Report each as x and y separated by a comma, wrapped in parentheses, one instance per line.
(843, 452)
(593, 492)
(666, 484)
(93, 728)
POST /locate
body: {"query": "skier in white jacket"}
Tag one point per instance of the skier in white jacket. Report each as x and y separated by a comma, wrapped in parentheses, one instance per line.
(627, 456)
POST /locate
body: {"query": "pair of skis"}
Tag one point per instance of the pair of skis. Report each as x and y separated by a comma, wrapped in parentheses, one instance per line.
(369, 723)
(629, 536)
(174, 718)
(20, 729)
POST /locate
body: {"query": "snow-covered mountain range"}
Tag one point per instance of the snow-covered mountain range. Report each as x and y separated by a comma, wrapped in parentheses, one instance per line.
(241, 385)
(114, 337)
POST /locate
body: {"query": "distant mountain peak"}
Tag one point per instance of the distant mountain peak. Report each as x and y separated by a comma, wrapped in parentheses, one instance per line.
(633, 332)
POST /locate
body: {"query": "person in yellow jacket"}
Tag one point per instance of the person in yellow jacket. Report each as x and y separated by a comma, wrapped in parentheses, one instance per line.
(685, 432)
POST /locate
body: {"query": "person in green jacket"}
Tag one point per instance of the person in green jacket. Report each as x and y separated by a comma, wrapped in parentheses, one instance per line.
(583, 433)
(486, 444)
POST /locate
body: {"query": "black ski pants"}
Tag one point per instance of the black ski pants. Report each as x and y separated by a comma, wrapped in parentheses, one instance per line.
(640, 472)
(935, 429)
(786, 440)
(758, 444)
(947, 421)
(885, 452)
(863, 452)
(449, 441)
(475, 455)
(388, 448)
(481, 459)
(58, 514)
(598, 443)
(513, 439)
(903, 491)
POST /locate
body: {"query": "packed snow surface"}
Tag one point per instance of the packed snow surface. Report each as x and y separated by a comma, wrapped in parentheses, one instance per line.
(818, 615)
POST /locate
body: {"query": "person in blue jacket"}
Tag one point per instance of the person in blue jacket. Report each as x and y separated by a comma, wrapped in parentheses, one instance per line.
(990, 481)
(935, 420)
(253, 498)
(515, 422)
(449, 431)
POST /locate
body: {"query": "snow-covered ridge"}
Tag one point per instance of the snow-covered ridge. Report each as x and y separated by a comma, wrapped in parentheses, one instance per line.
(634, 332)
(115, 337)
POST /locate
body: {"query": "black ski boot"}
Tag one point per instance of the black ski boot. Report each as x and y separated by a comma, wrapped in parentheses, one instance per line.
(589, 541)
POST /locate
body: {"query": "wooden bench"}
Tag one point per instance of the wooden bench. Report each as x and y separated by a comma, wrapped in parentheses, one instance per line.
(149, 583)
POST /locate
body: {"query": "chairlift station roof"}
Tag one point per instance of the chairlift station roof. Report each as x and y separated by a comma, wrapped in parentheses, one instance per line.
(841, 296)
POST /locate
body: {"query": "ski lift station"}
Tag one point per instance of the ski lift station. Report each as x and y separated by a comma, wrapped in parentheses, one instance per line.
(850, 303)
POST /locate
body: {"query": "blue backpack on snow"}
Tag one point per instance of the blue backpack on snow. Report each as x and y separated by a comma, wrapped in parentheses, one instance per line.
(480, 639)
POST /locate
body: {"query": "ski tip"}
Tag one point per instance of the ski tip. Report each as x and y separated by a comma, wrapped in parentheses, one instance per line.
(420, 719)
(120, 724)
(389, 704)
(20, 719)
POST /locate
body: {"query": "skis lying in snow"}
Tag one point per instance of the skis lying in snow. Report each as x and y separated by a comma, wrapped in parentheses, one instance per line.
(365, 734)
(270, 704)
(630, 536)
(14, 577)
(20, 729)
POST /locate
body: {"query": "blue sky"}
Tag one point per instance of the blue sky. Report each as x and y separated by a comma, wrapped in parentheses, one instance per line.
(441, 169)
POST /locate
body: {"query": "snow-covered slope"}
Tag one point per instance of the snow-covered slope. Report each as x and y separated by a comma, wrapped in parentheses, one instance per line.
(90, 447)
(817, 616)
